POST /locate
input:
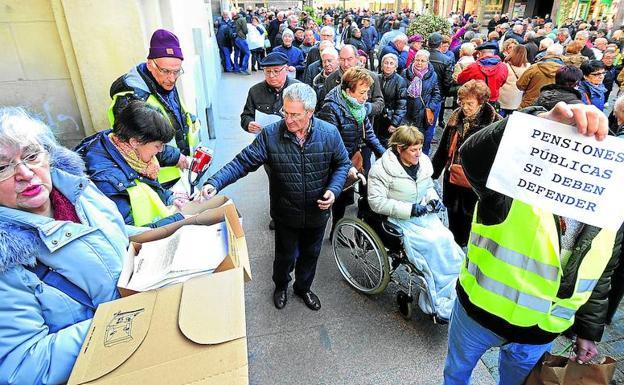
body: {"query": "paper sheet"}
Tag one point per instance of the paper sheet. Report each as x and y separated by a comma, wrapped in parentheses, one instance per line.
(265, 119)
(191, 251)
(551, 166)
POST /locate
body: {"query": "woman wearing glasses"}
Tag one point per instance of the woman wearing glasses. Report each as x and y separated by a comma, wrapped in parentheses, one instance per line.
(123, 165)
(591, 88)
(61, 248)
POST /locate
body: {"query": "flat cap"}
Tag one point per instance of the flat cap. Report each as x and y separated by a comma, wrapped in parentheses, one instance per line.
(274, 59)
(487, 45)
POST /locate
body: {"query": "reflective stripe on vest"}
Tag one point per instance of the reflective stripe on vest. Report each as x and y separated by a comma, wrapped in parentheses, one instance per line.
(193, 127)
(513, 269)
(147, 207)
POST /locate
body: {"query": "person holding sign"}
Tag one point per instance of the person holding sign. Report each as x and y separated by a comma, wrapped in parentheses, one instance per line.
(529, 275)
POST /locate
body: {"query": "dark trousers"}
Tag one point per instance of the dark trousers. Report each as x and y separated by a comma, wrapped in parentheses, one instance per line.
(371, 60)
(256, 57)
(298, 249)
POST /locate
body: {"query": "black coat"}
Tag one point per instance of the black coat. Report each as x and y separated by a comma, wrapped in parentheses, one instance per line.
(551, 94)
(532, 49)
(477, 155)
(299, 175)
(394, 89)
(311, 71)
(265, 99)
(443, 66)
(430, 95)
(335, 111)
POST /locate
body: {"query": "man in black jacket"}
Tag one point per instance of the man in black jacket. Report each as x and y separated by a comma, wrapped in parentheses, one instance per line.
(309, 165)
(266, 96)
(443, 66)
(524, 315)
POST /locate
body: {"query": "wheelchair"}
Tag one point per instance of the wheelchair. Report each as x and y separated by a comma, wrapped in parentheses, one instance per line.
(369, 252)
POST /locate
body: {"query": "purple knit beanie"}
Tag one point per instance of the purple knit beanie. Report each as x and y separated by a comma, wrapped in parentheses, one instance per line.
(164, 44)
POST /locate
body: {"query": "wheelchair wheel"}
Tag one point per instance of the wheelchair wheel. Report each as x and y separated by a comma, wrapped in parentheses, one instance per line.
(361, 256)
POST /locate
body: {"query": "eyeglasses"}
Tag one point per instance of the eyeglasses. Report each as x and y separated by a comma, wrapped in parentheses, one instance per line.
(30, 160)
(598, 74)
(273, 73)
(287, 115)
(176, 74)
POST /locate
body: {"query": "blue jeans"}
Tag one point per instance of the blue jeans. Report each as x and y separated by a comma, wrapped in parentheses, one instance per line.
(226, 56)
(468, 340)
(243, 49)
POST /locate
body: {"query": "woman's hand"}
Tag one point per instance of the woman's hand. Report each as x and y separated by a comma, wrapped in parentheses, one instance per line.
(588, 119)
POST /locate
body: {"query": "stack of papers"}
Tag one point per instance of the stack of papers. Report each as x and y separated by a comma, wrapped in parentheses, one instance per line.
(189, 252)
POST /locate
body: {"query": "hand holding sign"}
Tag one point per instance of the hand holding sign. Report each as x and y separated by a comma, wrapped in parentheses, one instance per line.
(558, 168)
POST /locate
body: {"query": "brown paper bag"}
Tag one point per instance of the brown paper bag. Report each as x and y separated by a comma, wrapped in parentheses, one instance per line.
(558, 370)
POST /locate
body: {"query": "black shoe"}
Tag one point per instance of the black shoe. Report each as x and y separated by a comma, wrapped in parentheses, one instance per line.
(310, 299)
(280, 298)
(272, 225)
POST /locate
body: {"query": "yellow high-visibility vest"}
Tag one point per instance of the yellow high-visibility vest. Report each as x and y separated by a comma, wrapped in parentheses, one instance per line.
(169, 173)
(513, 270)
(147, 207)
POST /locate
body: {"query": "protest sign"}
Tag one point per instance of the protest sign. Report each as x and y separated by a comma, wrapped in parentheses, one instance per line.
(551, 166)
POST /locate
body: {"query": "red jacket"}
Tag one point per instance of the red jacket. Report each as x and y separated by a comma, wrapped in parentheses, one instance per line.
(491, 70)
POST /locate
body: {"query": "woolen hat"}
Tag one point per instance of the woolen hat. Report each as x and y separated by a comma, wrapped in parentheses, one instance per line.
(274, 59)
(435, 39)
(415, 38)
(164, 44)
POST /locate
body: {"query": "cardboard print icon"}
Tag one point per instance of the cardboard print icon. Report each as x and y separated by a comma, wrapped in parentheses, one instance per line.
(119, 329)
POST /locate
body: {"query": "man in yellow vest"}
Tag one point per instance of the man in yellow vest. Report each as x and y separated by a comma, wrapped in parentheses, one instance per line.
(154, 82)
(529, 275)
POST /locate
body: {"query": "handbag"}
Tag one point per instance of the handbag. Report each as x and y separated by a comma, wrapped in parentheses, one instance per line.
(558, 370)
(429, 115)
(456, 171)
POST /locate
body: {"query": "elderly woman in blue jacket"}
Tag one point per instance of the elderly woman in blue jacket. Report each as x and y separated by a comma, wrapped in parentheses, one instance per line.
(61, 248)
(423, 92)
(122, 163)
(296, 59)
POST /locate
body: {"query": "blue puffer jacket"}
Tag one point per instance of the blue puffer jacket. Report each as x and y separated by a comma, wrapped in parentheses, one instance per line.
(112, 175)
(335, 111)
(42, 328)
(299, 175)
(295, 57)
(592, 94)
(430, 95)
(402, 55)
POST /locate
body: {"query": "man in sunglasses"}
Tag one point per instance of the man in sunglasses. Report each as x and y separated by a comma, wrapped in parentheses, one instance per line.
(154, 82)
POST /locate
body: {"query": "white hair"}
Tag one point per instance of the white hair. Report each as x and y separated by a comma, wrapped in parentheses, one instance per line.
(390, 56)
(329, 51)
(301, 92)
(400, 36)
(546, 42)
(582, 34)
(554, 49)
(423, 52)
(288, 32)
(18, 129)
(327, 29)
(467, 48)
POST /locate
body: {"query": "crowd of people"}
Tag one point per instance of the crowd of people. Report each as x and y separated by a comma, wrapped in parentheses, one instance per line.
(356, 96)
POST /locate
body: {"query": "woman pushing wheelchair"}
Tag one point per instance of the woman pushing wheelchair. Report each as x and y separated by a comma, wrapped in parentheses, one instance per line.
(400, 187)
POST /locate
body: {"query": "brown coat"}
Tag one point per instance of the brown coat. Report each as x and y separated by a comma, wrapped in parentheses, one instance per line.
(537, 76)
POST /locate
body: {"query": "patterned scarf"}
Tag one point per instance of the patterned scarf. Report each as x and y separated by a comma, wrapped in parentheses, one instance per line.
(357, 109)
(149, 169)
(415, 88)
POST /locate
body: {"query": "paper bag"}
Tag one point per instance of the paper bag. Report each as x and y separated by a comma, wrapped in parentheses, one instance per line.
(558, 370)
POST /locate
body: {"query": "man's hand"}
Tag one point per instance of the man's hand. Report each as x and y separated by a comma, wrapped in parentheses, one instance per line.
(206, 193)
(589, 120)
(291, 69)
(391, 129)
(254, 127)
(327, 201)
(584, 350)
(352, 173)
(183, 162)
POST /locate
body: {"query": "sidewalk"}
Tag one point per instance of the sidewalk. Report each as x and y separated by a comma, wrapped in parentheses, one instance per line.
(353, 339)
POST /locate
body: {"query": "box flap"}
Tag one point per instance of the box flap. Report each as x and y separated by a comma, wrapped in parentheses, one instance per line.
(236, 242)
(212, 308)
(117, 331)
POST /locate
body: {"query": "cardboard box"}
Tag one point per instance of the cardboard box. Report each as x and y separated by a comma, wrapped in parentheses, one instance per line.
(192, 332)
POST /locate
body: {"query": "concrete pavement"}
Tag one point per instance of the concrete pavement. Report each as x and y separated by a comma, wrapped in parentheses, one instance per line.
(353, 339)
